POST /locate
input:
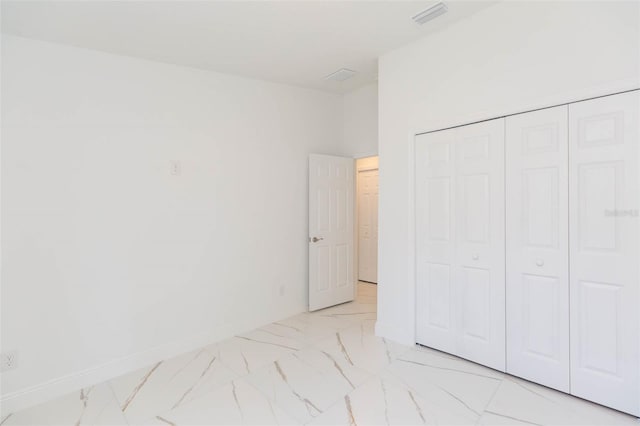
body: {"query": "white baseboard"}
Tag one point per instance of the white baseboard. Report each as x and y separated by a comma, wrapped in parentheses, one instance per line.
(49, 390)
(395, 334)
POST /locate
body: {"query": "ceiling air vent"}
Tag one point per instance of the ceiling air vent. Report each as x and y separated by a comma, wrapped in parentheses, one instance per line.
(430, 13)
(341, 75)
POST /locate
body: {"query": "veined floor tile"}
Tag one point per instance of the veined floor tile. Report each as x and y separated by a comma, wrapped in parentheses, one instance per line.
(169, 384)
(311, 327)
(306, 383)
(360, 347)
(447, 362)
(491, 419)
(534, 404)
(354, 311)
(95, 405)
(453, 384)
(384, 400)
(252, 351)
(237, 403)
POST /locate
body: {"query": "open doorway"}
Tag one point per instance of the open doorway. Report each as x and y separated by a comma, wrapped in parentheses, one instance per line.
(367, 219)
(343, 231)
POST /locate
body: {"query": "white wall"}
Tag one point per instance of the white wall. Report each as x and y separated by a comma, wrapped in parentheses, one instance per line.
(510, 57)
(109, 261)
(360, 124)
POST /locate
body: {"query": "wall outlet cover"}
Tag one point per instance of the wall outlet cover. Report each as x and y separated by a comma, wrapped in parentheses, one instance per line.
(8, 361)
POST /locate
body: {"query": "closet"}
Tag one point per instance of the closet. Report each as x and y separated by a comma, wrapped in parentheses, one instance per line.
(528, 246)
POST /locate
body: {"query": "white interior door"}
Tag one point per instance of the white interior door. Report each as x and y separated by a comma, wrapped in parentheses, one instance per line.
(604, 256)
(460, 242)
(368, 225)
(537, 247)
(480, 243)
(331, 233)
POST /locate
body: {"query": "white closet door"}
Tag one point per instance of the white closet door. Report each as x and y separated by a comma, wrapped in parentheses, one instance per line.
(537, 247)
(480, 243)
(604, 232)
(435, 240)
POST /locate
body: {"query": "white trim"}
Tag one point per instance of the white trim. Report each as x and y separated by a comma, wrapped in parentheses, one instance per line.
(60, 386)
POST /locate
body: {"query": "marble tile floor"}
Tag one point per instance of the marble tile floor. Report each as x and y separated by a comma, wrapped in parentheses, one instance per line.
(320, 368)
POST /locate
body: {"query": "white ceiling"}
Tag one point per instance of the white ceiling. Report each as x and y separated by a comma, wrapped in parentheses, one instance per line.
(292, 42)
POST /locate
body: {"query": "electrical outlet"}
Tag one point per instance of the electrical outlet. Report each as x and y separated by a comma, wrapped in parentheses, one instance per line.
(176, 168)
(8, 361)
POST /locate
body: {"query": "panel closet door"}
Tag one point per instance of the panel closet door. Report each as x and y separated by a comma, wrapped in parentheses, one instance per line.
(480, 243)
(460, 242)
(435, 240)
(604, 256)
(537, 247)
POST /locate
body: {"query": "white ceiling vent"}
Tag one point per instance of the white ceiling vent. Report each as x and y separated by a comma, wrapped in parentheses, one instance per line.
(430, 13)
(341, 75)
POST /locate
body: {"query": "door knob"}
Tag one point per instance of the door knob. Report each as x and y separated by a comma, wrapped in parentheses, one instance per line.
(539, 262)
(316, 239)
(475, 256)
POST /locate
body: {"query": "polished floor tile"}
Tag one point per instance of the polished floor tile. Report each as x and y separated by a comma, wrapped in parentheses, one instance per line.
(306, 383)
(95, 405)
(526, 402)
(386, 400)
(319, 368)
(237, 403)
(358, 346)
(447, 384)
(251, 351)
(169, 384)
(310, 327)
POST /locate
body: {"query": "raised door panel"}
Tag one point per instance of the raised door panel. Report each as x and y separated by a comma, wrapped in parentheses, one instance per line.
(479, 265)
(537, 289)
(435, 240)
(604, 256)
